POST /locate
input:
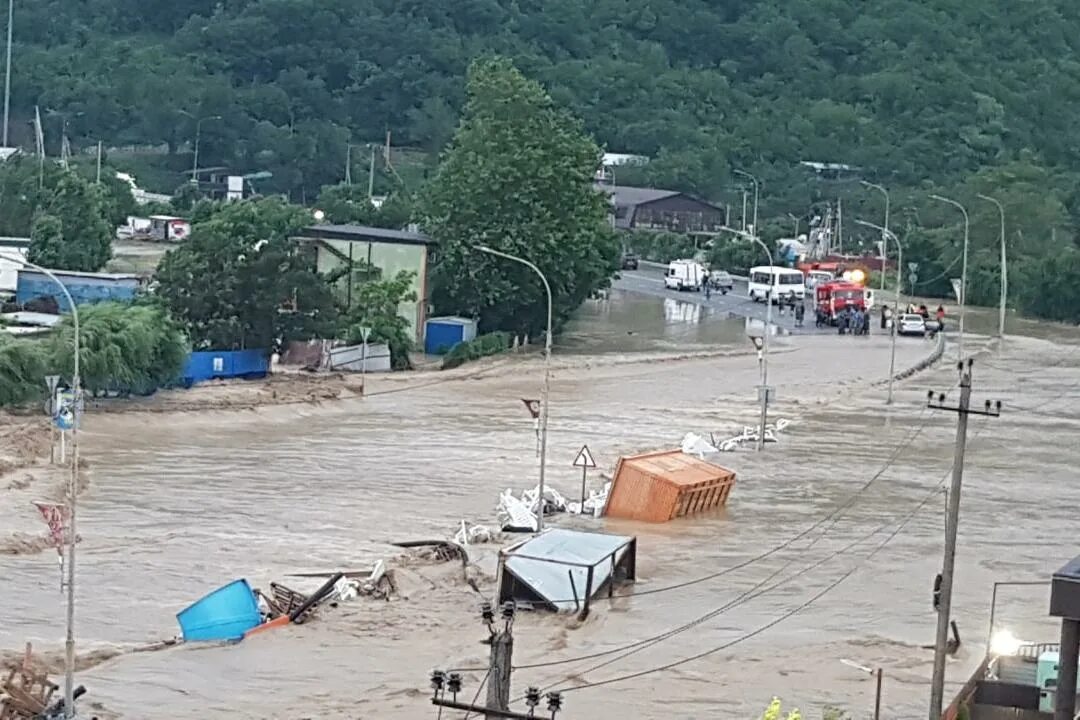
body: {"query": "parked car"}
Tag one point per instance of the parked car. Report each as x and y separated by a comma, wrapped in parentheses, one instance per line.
(629, 261)
(912, 324)
(722, 281)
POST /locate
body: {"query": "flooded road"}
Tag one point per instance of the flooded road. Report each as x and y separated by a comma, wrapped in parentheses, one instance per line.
(182, 503)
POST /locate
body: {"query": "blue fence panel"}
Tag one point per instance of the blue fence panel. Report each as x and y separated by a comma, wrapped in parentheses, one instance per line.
(225, 364)
(30, 287)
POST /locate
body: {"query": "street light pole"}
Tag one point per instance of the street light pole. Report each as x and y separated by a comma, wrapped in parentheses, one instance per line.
(73, 488)
(198, 134)
(765, 341)
(1004, 268)
(963, 271)
(885, 227)
(793, 217)
(754, 180)
(885, 235)
(547, 374)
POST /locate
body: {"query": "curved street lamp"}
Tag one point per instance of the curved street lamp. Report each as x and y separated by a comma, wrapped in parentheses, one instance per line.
(885, 227)
(963, 271)
(754, 180)
(547, 372)
(73, 486)
(765, 341)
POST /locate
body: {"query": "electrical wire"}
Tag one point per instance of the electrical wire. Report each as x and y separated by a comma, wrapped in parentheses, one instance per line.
(776, 621)
(477, 695)
(753, 592)
(940, 275)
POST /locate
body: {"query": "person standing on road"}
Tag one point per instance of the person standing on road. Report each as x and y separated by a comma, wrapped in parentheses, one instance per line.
(940, 315)
(707, 284)
(800, 313)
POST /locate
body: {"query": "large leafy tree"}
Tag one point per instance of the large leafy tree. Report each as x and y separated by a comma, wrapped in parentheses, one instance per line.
(75, 232)
(124, 348)
(519, 178)
(241, 281)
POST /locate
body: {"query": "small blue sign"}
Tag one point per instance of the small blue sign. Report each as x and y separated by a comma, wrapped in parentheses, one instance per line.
(65, 410)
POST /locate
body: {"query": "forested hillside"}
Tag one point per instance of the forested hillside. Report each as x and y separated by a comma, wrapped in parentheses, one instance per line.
(918, 93)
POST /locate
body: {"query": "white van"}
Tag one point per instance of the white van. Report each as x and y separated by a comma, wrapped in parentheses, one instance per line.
(684, 275)
(775, 282)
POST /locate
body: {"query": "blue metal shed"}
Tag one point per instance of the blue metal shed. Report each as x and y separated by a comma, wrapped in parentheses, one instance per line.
(85, 288)
(441, 334)
(225, 364)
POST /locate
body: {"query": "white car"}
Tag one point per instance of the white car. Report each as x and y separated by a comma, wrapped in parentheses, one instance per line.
(911, 324)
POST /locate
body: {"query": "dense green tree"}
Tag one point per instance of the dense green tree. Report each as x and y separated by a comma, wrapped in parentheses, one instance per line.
(75, 233)
(519, 178)
(23, 366)
(124, 348)
(344, 204)
(240, 281)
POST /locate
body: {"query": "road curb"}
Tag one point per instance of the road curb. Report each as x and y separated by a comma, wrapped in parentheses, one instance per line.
(933, 357)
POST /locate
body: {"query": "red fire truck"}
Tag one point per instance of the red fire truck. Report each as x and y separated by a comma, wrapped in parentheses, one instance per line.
(832, 298)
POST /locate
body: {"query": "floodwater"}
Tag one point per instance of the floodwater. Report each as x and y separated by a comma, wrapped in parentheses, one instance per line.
(182, 503)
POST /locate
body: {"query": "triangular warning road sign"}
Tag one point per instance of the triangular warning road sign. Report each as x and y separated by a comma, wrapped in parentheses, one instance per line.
(584, 458)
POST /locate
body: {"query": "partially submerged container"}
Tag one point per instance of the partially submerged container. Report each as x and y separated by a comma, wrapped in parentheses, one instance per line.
(225, 614)
(661, 486)
(563, 570)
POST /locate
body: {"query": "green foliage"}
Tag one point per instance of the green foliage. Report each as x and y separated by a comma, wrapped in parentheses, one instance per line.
(481, 346)
(23, 367)
(735, 255)
(78, 233)
(920, 95)
(124, 348)
(345, 204)
(518, 178)
(661, 246)
(241, 282)
(774, 712)
(376, 304)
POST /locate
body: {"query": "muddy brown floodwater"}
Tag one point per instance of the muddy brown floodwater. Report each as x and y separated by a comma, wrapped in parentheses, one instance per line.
(181, 503)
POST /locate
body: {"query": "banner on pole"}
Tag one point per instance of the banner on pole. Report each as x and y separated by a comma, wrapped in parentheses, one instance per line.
(55, 516)
(958, 289)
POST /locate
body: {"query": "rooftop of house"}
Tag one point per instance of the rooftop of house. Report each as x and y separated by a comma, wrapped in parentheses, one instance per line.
(365, 233)
(624, 195)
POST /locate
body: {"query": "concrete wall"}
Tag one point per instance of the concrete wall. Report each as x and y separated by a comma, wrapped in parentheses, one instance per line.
(390, 259)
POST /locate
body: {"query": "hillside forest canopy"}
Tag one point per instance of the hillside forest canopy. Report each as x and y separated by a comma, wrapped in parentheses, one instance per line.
(922, 95)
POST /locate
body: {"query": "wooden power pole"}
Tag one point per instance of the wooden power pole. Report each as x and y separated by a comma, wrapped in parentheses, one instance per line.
(497, 706)
(963, 410)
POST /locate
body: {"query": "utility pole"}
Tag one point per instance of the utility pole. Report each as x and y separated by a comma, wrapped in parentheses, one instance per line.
(502, 651)
(371, 175)
(498, 680)
(348, 164)
(99, 162)
(7, 69)
(963, 410)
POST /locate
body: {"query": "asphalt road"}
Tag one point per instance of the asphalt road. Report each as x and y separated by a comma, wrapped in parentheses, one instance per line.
(650, 281)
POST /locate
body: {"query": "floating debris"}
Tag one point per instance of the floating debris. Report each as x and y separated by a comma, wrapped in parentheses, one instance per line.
(749, 434)
(520, 514)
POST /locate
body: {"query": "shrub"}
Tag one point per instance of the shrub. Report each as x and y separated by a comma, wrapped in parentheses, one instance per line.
(23, 368)
(482, 346)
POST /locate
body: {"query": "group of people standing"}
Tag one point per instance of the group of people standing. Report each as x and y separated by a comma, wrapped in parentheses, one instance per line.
(853, 321)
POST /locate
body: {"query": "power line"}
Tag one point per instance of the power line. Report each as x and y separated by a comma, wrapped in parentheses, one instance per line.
(750, 594)
(784, 616)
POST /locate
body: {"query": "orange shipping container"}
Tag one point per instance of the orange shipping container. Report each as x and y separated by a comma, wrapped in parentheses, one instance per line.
(660, 486)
